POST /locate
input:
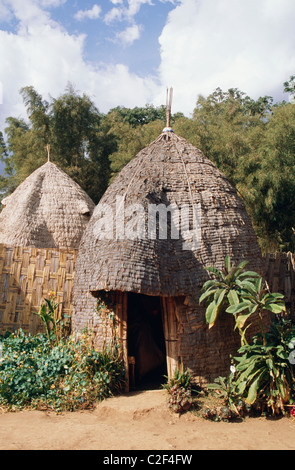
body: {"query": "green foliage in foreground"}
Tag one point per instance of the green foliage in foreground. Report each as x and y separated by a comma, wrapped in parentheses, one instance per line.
(263, 373)
(69, 376)
(241, 293)
(263, 376)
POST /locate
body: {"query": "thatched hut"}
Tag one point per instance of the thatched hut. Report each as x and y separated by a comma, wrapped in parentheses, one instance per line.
(139, 275)
(47, 210)
(41, 225)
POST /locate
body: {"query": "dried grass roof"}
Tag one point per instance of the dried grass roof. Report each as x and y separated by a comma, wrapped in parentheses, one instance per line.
(47, 210)
(170, 170)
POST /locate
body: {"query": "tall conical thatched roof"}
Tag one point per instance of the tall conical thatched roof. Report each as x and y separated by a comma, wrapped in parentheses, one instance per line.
(47, 210)
(168, 171)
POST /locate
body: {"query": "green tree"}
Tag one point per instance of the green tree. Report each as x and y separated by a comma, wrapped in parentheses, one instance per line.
(78, 140)
(134, 129)
(230, 126)
(268, 185)
(253, 143)
(289, 86)
(139, 116)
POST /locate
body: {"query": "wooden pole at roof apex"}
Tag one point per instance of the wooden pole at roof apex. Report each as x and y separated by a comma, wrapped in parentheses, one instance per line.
(169, 94)
(48, 152)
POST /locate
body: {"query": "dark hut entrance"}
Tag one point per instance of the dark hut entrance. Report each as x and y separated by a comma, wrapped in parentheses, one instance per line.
(145, 340)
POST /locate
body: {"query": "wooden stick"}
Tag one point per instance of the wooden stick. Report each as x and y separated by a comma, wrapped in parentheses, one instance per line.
(169, 94)
(48, 152)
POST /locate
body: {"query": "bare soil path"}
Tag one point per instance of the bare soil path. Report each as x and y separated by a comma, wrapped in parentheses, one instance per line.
(139, 421)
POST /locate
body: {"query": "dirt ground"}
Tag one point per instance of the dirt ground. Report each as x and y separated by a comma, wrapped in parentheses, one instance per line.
(139, 421)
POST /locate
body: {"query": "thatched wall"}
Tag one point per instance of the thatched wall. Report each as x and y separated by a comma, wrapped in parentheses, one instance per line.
(47, 210)
(189, 342)
(26, 277)
(120, 252)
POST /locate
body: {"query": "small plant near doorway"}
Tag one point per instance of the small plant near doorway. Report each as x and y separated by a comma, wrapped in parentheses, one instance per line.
(179, 388)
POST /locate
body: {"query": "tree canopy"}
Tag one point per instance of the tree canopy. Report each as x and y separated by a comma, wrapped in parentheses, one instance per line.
(73, 128)
(251, 141)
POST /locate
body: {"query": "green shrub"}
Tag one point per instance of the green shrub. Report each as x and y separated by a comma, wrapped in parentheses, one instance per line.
(265, 376)
(68, 376)
(180, 378)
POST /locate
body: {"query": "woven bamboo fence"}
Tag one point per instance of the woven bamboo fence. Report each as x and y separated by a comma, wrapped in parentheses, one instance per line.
(28, 274)
(26, 277)
(280, 275)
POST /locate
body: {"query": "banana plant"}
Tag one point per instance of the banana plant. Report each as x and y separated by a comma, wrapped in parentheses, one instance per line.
(241, 293)
(226, 289)
(259, 300)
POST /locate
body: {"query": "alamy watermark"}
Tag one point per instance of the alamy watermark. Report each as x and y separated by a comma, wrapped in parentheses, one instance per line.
(154, 221)
(1, 93)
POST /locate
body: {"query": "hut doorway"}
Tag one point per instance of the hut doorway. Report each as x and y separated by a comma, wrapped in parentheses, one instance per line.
(145, 341)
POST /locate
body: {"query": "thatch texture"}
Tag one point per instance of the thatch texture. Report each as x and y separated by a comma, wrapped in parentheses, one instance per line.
(168, 171)
(47, 210)
(41, 225)
(26, 277)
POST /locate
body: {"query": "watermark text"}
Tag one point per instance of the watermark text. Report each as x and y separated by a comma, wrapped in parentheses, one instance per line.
(153, 222)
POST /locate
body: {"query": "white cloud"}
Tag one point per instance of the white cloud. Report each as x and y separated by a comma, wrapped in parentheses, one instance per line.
(204, 44)
(42, 54)
(247, 44)
(113, 15)
(126, 11)
(91, 14)
(129, 35)
(134, 6)
(51, 3)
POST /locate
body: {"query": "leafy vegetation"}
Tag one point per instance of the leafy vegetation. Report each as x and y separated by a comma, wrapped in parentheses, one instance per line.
(69, 375)
(73, 127)
(226, 289)
(251, 141)
(263, 376)
(241, 293)
(56, 328)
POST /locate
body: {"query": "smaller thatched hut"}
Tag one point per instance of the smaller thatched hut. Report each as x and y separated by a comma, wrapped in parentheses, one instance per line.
(47, 210)
(41, 225)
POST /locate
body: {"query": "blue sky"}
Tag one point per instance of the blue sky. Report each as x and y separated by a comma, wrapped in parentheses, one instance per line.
(126, 52)
(140, 51)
